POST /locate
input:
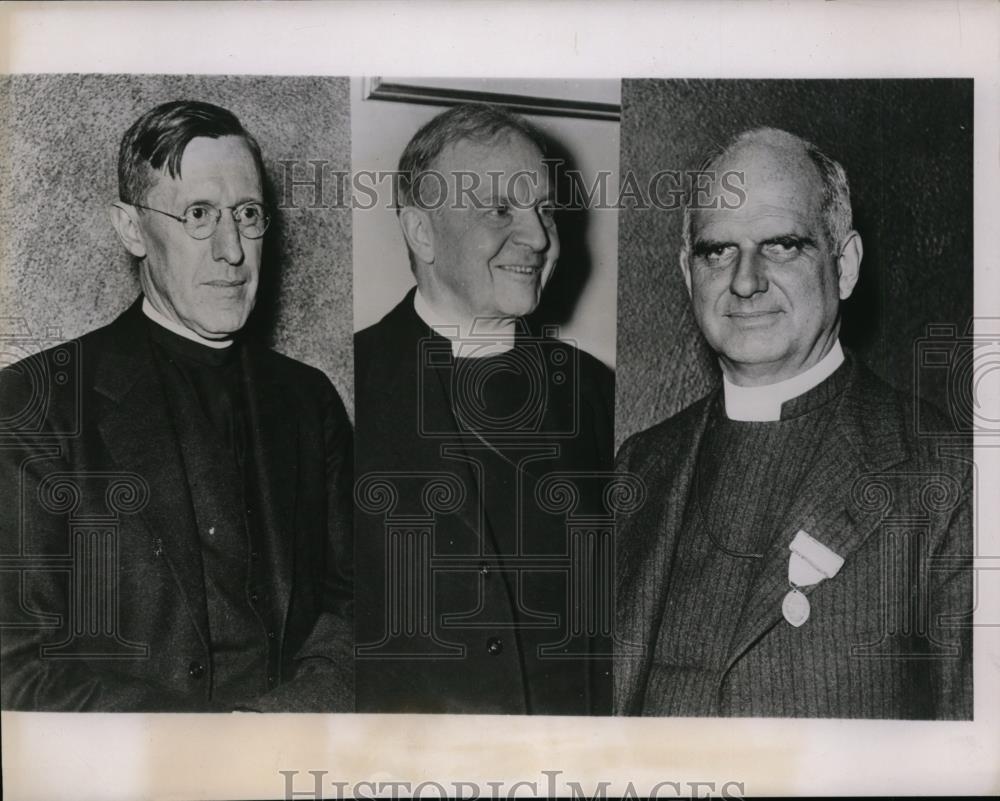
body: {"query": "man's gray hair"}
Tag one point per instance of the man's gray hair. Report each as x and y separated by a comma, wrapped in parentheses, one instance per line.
(835, 205)
(476, 122)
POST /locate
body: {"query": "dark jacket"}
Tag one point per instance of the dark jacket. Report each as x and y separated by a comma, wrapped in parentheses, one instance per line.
(103, 597)
(888, 637)
(455, 616)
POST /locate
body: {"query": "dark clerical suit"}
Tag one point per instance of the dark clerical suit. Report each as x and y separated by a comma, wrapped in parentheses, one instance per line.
(177, 531)
(477, 595)
(703, 566)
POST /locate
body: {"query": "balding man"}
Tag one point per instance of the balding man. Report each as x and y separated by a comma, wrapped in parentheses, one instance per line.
(761, 577)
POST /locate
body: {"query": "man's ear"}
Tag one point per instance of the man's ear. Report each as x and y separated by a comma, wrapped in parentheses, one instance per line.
(126, 222)
(686, 268)
(418, 232)
(849, 264)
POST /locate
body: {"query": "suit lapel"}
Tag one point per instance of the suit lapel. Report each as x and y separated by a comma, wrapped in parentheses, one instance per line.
(274, 435)
(134, 424)
(645, 561)
(827, 506)
(414, 359)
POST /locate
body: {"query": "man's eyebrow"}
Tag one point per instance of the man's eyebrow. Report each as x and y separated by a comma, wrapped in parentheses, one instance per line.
(790, 239)
(206, 202)
(504, 197)
(703, 246)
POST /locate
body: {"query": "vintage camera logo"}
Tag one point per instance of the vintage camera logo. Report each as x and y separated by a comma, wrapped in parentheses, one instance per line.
(530, 376)
(34, 368)
(964, 368)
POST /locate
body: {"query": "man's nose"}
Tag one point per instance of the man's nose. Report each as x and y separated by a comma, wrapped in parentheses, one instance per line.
(749, 276)
(531, 231)
(226, 244)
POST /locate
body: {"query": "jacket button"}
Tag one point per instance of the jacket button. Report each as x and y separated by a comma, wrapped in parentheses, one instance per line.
(196, 670)
(494, 646)
(484, 569)
(254, 597)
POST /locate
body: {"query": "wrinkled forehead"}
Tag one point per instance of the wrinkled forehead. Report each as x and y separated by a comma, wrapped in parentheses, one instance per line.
(508, 153)
(755, 183)
(226, 163)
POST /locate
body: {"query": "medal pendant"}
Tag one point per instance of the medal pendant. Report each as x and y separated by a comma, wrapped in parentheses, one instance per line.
(795, 608)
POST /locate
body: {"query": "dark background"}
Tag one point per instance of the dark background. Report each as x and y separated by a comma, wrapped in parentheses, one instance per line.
(907, 148)
(63, 271)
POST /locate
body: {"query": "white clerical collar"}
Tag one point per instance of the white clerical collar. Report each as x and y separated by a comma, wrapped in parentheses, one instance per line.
(150, 311)
(764, 403)
(470, 339)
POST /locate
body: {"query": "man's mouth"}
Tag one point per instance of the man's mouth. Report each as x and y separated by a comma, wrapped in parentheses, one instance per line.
(520, 269)
(221, 284)
(753, 317)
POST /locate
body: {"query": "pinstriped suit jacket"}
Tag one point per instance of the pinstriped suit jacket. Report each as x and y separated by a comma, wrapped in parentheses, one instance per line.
(888, 636)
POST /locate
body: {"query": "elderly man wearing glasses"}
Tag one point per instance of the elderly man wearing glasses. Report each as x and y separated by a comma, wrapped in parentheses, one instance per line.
(212, 569)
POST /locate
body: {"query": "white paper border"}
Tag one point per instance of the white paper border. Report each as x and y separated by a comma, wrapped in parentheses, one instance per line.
(176, 756)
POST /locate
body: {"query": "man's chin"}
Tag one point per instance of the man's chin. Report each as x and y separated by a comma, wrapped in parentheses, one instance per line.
(518, 304)
(218, 328)
(751, 354)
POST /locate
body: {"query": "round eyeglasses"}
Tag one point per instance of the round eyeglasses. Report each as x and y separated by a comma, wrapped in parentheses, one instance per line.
(201, 219)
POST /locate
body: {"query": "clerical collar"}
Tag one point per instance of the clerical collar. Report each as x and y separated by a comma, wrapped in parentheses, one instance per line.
(760, 404)
(164, 321)
(470, 339)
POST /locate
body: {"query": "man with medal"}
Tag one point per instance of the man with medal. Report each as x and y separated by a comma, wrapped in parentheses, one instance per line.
(761, 577)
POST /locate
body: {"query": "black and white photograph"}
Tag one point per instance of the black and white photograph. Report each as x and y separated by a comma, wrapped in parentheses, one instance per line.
(550, 399)
(177, 533)
(801, 418)
(479, 411)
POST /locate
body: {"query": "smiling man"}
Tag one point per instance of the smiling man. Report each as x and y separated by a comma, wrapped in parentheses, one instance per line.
(761, 578)
(217, 473)
(473, 594)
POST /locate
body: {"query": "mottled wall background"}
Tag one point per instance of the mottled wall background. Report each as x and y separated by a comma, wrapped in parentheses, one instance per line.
(907, 149)
(63, 271)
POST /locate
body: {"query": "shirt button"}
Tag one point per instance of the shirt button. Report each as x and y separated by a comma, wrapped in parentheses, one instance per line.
(270, 681)
(196, 670)
(254, 597)
(494, 646)
(270, 635)
(211, 529)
